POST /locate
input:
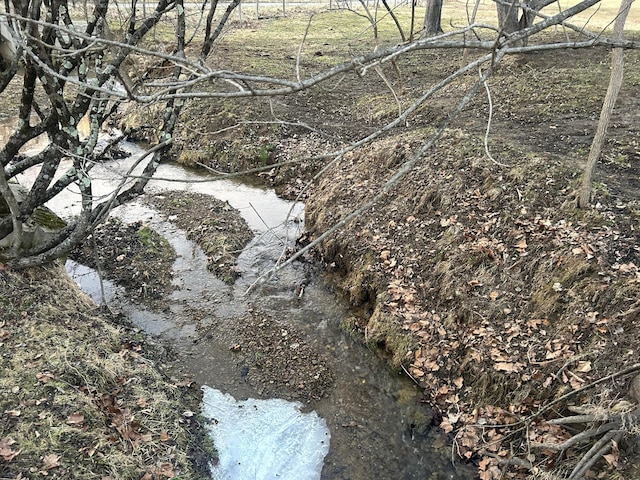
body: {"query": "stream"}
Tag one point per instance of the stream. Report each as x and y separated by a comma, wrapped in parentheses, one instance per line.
(373, 413)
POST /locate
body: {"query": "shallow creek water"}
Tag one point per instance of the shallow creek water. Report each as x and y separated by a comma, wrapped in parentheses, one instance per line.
(369, 409)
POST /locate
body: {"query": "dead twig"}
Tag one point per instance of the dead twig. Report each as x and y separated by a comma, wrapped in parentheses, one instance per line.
(635, 308)
(548, 406)
(600, 448)
(580, 437)
(515, 461)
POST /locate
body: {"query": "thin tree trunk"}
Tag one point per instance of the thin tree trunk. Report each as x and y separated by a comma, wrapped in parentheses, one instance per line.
(395, 20)
(615, 82)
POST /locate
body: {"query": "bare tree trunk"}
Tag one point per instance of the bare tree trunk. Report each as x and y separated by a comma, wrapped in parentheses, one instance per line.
(432, 18)
(615, 82)
(413, 20)
(507, 16)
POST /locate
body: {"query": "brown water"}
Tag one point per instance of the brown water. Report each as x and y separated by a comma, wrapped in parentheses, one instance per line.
(370, 409)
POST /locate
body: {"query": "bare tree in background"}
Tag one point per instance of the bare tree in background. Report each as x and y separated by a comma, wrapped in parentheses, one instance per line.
(615, 82)
(70, 69)
(508, 15)
(433, 17)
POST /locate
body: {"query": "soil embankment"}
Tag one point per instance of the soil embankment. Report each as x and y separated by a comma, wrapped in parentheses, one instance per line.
(496, 295)
(85, 396)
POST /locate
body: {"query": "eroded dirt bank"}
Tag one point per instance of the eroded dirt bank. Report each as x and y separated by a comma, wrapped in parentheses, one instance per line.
(489, 287)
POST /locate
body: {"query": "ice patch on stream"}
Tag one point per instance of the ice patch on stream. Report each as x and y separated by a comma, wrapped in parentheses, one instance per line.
(264, 439)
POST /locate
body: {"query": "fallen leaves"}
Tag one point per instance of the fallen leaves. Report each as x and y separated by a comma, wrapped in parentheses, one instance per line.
(508, 367)
(45, 377)
(50, 461)
(123, 421)
(160, 470)
(583, 366)
(6, 452)
(526, 351)
(521, 245)
(75, 419)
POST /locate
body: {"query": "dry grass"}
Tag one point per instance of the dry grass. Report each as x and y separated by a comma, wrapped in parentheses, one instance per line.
(80, 396)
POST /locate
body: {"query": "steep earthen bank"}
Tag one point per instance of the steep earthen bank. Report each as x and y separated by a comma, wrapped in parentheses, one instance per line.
(488, 286)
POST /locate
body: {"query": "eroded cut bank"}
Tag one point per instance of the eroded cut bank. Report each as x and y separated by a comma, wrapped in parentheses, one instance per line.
(488, 286)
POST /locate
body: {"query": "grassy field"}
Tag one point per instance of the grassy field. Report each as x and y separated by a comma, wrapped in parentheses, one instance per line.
(335, 22)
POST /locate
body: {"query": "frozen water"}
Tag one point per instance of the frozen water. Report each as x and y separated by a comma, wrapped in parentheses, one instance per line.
(264, 439)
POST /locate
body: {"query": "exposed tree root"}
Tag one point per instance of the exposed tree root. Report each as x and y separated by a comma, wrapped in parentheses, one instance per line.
(603, 429)
(600, 448)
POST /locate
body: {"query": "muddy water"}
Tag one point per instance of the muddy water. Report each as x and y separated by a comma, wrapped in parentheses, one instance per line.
(371, 411)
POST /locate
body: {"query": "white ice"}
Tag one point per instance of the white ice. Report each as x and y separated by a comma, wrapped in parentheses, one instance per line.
(264, 439)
